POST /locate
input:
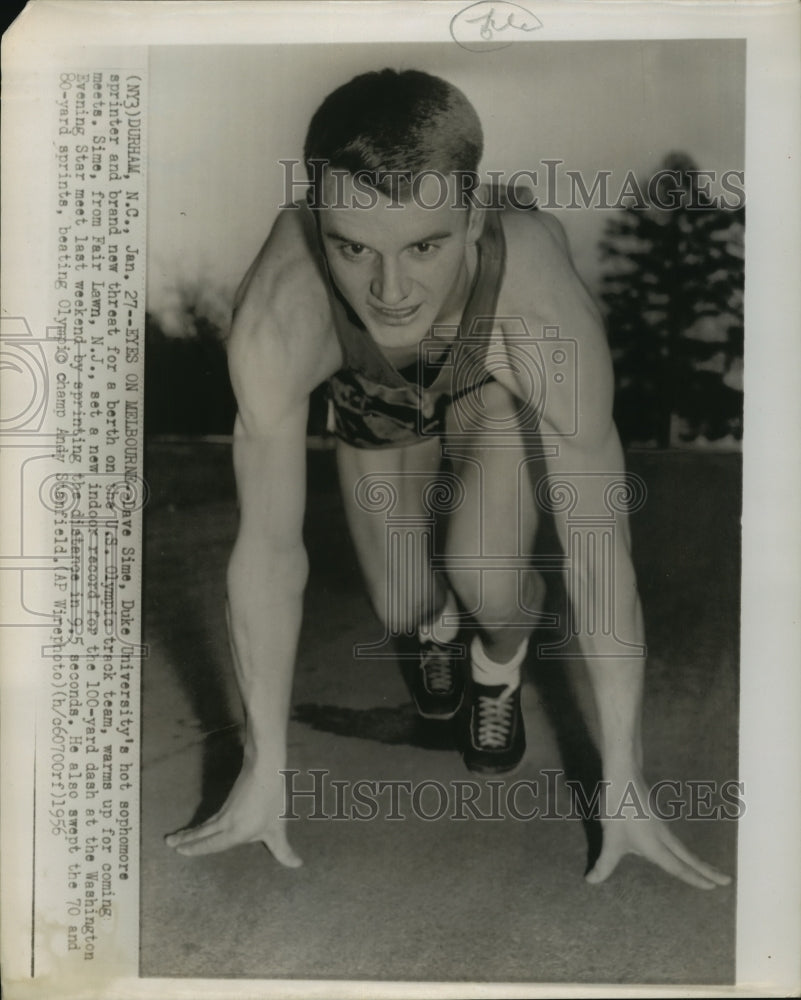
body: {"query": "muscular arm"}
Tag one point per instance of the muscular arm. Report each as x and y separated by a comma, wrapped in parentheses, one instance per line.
(278, 350)
(601, 583)
(267, 575)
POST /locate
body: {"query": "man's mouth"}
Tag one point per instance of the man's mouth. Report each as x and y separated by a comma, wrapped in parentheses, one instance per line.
(396, 317)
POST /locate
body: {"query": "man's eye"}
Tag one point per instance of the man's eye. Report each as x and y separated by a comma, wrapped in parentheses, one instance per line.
(424, 248)
(354, 249)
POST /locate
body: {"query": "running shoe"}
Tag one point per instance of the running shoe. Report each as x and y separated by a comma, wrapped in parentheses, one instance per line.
(438, 682)
(496, 739)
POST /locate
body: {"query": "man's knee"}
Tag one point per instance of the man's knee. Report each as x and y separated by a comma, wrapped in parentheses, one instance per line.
(400, 612)
(500, 598)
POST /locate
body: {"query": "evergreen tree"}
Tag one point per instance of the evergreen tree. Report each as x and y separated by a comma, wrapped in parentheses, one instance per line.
(673, 298)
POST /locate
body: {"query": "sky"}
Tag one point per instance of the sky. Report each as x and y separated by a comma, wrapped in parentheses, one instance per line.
(221, 117)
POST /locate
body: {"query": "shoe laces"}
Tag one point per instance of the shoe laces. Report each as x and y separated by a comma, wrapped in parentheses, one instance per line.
(495, 719)
(435, 663)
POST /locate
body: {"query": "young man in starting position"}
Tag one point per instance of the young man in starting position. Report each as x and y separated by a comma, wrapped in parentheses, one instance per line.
(441, 314)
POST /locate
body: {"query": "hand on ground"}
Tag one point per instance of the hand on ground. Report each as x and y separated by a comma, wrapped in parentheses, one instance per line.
(651, 838)
(251, 814)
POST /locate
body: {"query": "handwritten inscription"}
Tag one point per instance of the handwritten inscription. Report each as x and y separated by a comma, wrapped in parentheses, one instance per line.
(487, 25)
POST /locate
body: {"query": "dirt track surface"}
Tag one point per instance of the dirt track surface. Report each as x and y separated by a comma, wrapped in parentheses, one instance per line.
(439, 899)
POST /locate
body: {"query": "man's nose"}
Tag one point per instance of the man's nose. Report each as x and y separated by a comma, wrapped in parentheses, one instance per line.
(390, 285)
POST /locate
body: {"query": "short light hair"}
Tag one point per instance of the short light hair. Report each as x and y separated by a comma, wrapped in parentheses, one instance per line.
(388, 122)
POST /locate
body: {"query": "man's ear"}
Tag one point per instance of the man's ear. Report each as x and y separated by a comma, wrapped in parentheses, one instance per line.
(475, 223)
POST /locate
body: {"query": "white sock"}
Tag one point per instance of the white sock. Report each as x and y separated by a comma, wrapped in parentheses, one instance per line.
(487, 671)
(438, 630)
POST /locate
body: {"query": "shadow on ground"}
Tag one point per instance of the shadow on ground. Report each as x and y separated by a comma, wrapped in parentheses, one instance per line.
(420, 899)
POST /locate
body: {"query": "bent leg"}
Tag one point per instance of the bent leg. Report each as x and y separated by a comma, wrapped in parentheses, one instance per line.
(495, 527)
(490, 542)
(384, 493)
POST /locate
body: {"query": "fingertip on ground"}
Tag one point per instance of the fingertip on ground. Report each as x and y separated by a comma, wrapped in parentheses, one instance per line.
(284, 855)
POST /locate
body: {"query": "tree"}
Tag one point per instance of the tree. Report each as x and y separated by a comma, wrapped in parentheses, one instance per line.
(673, 295)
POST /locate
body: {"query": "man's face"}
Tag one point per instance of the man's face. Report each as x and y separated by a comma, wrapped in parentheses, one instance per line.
(401, 269)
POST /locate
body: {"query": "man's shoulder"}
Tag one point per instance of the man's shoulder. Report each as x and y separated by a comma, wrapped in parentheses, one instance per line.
(282, 325)
(528, 231)
(538, 262)
(287, 269)
(284, 293)
(542, 287)
(540, 281)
